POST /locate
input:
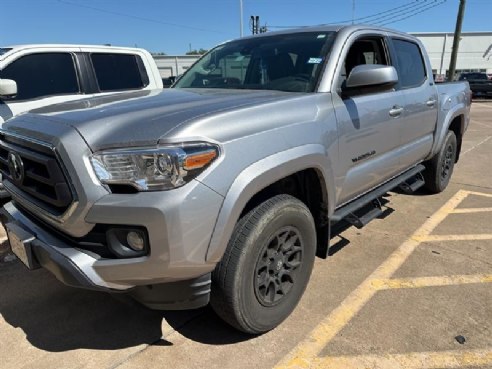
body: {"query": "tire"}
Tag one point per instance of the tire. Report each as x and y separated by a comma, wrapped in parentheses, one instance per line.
(440, 168)
(247, 284)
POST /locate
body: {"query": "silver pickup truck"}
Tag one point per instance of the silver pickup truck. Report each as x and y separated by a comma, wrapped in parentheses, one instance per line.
(224, 188)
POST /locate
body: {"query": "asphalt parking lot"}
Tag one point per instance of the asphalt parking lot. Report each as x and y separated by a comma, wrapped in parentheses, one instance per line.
(412, 290)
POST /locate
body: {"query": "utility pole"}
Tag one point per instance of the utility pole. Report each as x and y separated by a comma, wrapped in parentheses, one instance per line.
(353, 11)
(456, 41)
(240, 18)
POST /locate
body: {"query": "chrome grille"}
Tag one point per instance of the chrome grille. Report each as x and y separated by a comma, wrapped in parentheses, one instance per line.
(31, 171)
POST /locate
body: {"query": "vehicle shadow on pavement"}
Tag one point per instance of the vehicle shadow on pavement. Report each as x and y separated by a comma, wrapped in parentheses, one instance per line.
(207, 328)
(57, 318)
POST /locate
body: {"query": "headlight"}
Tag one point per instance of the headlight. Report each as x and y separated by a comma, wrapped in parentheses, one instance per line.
(153, 169)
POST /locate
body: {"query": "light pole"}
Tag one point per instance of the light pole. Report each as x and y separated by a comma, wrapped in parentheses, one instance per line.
(241, 18)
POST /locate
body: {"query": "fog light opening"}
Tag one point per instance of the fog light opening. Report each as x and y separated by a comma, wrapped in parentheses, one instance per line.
(135, 240)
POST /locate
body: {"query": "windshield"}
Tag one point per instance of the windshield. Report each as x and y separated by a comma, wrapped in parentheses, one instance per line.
(3, 50)
(286, 62)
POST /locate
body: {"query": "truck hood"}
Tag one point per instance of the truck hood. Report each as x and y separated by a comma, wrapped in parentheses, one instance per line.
(142, 118)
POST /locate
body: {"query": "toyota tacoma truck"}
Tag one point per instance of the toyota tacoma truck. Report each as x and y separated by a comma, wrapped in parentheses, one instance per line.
(224, 188)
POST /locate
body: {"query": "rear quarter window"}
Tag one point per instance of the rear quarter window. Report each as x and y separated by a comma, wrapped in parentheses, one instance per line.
(119, 71)
(411, 66)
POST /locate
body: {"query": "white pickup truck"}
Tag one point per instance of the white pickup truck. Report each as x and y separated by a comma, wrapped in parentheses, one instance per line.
(32, 76)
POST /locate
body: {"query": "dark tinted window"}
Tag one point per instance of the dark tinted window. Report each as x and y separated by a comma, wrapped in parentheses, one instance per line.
(365, 51)
(286, 62)
(43, 74)
(411, 67)
(117, 71)
(4, 50)
(467, 76)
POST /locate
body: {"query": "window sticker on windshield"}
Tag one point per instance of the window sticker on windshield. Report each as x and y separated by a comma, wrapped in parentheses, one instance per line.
(315, 60)
(321, 36)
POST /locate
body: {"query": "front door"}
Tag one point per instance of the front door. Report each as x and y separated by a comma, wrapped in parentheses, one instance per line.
(368, 125)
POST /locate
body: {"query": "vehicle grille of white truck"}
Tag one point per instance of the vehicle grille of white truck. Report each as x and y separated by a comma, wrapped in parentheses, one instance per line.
(31, 171)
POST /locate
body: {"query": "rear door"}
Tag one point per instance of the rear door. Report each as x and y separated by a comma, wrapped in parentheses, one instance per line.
(419, 120)
(368, 123)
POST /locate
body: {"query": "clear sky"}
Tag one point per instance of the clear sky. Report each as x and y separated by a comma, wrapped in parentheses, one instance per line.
(171, 26)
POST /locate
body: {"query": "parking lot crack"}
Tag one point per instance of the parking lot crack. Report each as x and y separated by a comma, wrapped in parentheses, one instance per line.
(472, 185)
(466, 256)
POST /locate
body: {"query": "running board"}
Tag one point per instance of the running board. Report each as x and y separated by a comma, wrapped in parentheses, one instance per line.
(412, 184)
(363, 216)
(350, 208)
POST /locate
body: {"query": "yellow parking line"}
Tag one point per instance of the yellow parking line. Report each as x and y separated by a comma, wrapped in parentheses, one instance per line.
(479, 193)
(471, 210)
(453, 237)
(303, 355)
(414, 360)
(451, 280)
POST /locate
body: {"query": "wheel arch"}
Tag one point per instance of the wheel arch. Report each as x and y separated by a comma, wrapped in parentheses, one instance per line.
(260, 177)
(455, 121)
(457, 125)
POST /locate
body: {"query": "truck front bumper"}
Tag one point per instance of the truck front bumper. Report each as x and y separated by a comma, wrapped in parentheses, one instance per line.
(36, 248)
(179, 226)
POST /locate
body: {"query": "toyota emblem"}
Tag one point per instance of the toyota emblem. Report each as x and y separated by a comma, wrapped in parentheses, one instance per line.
(16, 167)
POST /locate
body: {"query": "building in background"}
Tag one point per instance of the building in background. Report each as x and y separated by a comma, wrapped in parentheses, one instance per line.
(475, 55)
(174, 65)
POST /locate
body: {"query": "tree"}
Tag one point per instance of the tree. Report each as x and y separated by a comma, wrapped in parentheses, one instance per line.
(196, 52)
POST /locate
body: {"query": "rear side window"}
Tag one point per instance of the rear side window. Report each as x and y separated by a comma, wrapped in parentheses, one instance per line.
(43, 74)
(118, 71)
(411, 67)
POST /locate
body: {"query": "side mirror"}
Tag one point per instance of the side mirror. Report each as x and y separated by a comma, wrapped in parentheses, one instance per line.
(8, 88)
(371, 75)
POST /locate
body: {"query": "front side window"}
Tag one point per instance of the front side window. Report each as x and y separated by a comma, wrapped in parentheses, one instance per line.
(370, 50)
(117, 71)
(288, 62)
(43, 74)
(411, 67)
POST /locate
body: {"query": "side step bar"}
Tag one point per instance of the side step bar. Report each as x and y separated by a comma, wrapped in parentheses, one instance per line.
(363, 216)
(347, 211)
(412, 184)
